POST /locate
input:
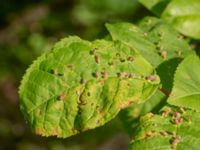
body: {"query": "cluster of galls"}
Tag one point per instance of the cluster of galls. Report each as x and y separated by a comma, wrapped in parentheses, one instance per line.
(104, 74)
(176, 119)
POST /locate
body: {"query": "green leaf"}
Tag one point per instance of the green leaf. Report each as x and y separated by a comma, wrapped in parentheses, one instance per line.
(81, 85)
(134, 37)
(166, 71)
(186, 89)
(169, 45)
(157, 41)
(172, 128)
(183, 15)
(165, 38)
(156, 6)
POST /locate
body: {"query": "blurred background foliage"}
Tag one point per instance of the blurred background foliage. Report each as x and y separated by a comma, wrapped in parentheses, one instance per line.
(30, 27)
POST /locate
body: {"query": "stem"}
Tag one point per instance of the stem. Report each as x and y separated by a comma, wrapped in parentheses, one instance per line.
(167, 93)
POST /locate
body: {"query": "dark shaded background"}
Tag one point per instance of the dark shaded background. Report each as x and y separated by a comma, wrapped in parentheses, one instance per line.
(30, 27)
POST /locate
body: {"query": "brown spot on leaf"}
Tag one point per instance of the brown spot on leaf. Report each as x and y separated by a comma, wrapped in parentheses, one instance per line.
(132, 75)
(111, 63)
(118, 54)
(151, 78)
(166, 112)
(163, 133)
(40, 131)
(70, 67)
(121, 105)
(177, 120)
(163, 54)
(97, 59)
(102, 113)
(193, 46)
(53, 132)
(130, 102)
(55, 71)
(177, 115)
(175, 141)
(122, 60)
(131, 58)
(122, 74)
(182, 110)
(96, 74)
(145, 34)
(93, 52)
(62, 97)
(98, 121)
(149, 133)
(105, 75)
(83, 81)
(82, 102)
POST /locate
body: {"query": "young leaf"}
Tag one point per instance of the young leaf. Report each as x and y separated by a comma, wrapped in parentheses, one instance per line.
(81, 85)
(173, 128)
(186, 89)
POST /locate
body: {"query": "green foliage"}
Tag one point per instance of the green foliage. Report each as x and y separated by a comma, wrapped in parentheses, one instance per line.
(182, 14)
(170, 46)
(134, 37)
(169, 43)
(172, 128)
(80, 85)
(147, 73)
(165, 49)
(186, 89)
